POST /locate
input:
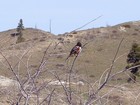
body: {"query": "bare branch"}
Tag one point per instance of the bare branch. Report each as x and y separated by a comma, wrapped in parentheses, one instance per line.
(109, 72)
(41, 63)
(93, 95)
(87, 23)
(64, 88)
(17, 78)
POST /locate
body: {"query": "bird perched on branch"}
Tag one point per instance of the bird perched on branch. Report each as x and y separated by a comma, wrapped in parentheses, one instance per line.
(75, 50)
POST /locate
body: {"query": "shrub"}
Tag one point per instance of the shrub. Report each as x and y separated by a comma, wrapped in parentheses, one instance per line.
(61, 39)
(127, 26)
(70, 35)
(114, 31)
(133, 59)
(42, 39)
(136, 29)
(74, 32)
(135, 34)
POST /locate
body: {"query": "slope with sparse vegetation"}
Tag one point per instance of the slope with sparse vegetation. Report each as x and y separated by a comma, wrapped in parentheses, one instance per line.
(38, 65)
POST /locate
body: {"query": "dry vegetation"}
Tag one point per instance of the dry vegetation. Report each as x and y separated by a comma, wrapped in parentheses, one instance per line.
(39, 75)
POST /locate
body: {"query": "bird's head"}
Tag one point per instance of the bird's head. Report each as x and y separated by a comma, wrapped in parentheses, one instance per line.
(79, 44)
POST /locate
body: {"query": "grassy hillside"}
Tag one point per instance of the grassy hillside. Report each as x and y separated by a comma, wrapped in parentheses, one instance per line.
(27, 58)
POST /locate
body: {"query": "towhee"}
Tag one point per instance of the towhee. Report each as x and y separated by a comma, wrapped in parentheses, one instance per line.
(75, 50)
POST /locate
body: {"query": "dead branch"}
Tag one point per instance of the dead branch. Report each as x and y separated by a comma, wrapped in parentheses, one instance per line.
(17, 78)
(109, 72)
(64, 87)
(69, 79)
(41, 63)
(93, 95)
(87, 23)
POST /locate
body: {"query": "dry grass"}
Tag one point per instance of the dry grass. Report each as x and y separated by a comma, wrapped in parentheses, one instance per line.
(94, 59)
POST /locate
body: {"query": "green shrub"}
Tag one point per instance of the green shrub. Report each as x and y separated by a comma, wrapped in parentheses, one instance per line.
(133, 59)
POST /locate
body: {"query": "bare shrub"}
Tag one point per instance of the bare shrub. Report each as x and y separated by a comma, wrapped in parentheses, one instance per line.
(60, 65)
(127, 26)
(42, 40)
(70, 35)
(135, 34)
(60, 56)
(100, 49)
(74, 32)
(35, 38)
(114, 31)
(98, 32)
(92, 76)
(62, 86)
(115, 99)
(87, 61)
(61, 39)
(136, 29)
(14, 34)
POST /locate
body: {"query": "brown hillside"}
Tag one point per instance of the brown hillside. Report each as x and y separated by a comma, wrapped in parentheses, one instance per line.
(128, 28)
(27, 57)
(30, 35)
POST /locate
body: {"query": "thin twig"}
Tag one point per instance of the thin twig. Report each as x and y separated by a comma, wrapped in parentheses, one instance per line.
(70, 91)
(42, 62)
(113, 61)
(50, 96)
(87, 23)
(64, 88)
(17, 78)
(92, 96)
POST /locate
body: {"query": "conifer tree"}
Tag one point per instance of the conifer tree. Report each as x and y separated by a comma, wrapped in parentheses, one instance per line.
(20, 29)
(133, 59)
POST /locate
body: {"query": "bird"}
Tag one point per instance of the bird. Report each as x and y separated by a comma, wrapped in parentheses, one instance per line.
(75, 50)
